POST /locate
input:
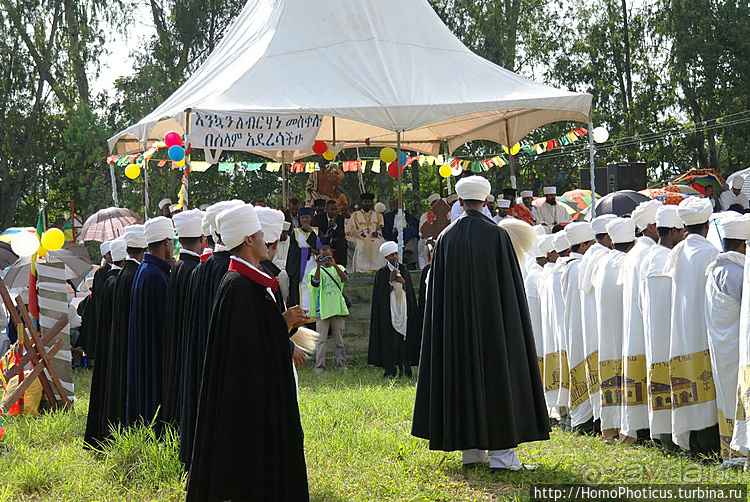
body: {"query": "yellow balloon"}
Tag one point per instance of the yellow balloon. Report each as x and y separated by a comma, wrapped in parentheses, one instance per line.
(445, 170)
(41, 251)
(515, 149)
(181, 162)
(53, 239)
(133, 171)
(387, 155)
(329, 155)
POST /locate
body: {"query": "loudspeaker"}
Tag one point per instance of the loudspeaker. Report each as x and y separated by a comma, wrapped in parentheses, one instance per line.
(614, 177)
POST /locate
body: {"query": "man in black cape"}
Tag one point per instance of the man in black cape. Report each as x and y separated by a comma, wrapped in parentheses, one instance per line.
(253, 449)
(90, 319)
(204, 282)
(304, 246)
(96, 425)
(189, 226)
(145, 370)
(479, 386)
(117, 384)
(395, 322)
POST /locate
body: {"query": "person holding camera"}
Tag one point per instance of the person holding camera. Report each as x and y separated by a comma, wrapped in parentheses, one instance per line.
(327, 303)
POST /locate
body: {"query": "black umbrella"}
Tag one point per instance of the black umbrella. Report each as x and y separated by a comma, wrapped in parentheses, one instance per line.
(7, 256)
(619, 203)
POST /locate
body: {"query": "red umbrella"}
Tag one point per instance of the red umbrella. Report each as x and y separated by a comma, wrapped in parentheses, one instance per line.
(107, 224)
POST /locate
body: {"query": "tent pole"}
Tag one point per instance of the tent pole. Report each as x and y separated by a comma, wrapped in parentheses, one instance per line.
(114, 185)
(400, 224)
(591, 159)
(448, 179)
(186, 170)
(145, 189)
(283, 180)
(512, 161)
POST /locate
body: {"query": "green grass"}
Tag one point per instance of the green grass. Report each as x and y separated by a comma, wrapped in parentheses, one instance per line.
(358, 448)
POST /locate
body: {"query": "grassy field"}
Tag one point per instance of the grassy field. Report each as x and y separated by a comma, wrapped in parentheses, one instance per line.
(358, 448)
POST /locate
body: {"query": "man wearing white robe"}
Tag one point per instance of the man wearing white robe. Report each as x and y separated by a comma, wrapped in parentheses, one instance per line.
(634, 405)
(656, 307)
(534, 272)
(734, 196)
(588, 308)
(581, 237)
(741, 436)
(551, 213)
(722, 303)
(549, 347)
(694, 413)
(364, 232)
(608, 294)
(556, 383)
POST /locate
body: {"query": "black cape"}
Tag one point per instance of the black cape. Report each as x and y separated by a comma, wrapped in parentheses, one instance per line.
(248, 439)
(146, 342)
(383, 338)
(176, 311)
(88, 332)
(96, 424)
(203, 285)
(116, 385)
(479, 384)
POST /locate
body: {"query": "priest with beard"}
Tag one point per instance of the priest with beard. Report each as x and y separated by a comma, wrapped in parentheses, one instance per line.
(96, 426)
(253, 448)
(551, 213)
(116, 384)
(145, 373)
(479, 388)
(188, 225)
(303, 248)
(695, 422)
(395, 320)
(204, 282)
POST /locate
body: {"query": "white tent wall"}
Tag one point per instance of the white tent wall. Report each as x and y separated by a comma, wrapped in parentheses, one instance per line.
(351, 60)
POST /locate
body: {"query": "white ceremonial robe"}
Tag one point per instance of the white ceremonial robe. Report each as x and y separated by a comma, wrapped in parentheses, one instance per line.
(608, 296)
(579, 403)
(722, 303)
(656, 305)
(550, 215)
(635, 403)
(728, 198)
(741, 436)
(556, 371)
(531, 284)
(282, 251)
(366, 256)
(691, 378)
(589, 322)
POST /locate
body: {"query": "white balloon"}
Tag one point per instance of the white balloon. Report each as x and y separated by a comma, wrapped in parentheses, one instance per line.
(24, 243)
(601, 134)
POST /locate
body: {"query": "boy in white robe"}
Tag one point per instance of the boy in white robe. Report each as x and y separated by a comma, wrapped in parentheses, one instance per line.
(534, 273)
(694, 413)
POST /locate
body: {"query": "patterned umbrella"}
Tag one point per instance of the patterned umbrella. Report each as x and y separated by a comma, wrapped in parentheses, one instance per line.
(7, 256)
(11, 232)
(687, 189)
(652, 192)
(570, 206)
(107, 224)
(699, 179)
(619, 203)
(672, 198)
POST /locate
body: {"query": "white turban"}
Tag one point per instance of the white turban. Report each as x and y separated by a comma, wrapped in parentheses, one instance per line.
(738, 182)
(379, 208)
(527, 193)
(214, 210)
(236, 223)
(504, 203)
(205, 225)
(388, 247)
(134, 237)
(432, 198)
(104, 248)
(645, 213)
(579, 232)
(735, 227)
(189, 223)
(272, 222)
(451, 199)
(539, 229)
(544, 246)
(118, 249)
(473, 188)
(550, 190)
(621, 230)
(666, 217)
(490, 198)
(599, 224)
(560, 242)
(287, 225)
(695, 210)
(165, 202)
(157, 229)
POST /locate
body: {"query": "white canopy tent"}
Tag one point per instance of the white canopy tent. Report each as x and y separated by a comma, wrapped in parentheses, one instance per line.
(370, 69)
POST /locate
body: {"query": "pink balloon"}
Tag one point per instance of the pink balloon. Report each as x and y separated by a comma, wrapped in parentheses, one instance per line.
(172, 139)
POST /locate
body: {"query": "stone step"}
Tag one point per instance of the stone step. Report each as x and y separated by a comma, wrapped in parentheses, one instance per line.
(359, 294)
(368, 279)
(360, 310)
